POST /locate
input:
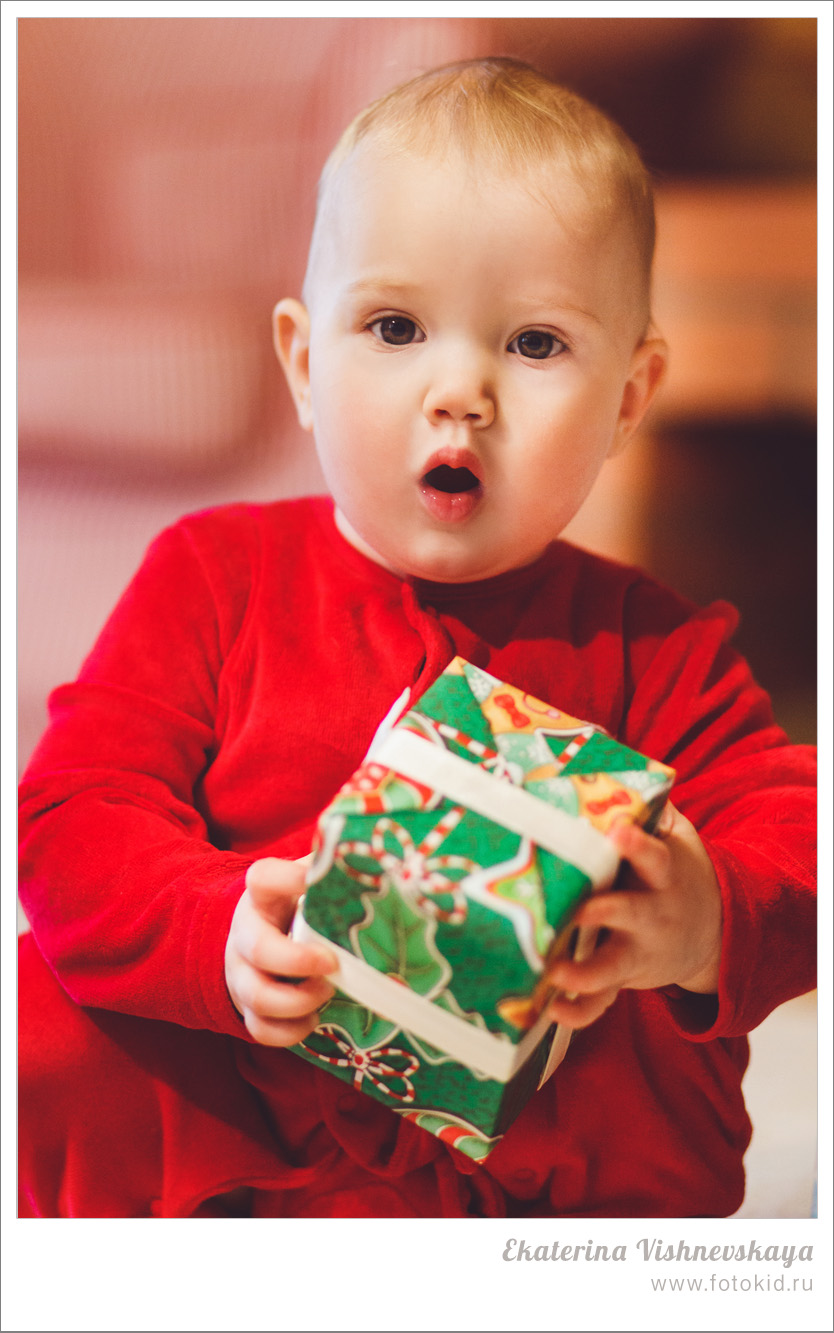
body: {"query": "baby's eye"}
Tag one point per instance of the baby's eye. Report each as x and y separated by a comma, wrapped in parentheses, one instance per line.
(396, 330)
(536, 344)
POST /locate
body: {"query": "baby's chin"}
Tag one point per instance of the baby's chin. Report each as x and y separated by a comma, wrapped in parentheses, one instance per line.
(435, 560)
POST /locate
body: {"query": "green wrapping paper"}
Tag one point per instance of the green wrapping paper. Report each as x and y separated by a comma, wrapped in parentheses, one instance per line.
(445, 877)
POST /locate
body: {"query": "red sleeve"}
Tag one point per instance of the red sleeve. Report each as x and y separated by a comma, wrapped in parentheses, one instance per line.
(752, 797)
(128, 901)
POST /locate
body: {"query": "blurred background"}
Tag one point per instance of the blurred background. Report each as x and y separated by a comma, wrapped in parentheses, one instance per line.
(167, 169)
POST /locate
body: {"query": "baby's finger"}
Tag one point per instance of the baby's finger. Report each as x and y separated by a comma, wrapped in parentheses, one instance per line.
(274, 999)
(279, 1032)
(274, 953)
(581, 1010)
(649, 856)
(610, 967)
(625, 909)
(667, 821)
(275, 887)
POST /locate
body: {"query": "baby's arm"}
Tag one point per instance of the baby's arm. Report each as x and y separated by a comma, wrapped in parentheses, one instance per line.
(129, 892)
(663, 926)
(749, 870)
(276, 984)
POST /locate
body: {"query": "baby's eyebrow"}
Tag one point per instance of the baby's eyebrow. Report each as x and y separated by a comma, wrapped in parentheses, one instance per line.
(380, 287)
(396, 291)
(557, 303)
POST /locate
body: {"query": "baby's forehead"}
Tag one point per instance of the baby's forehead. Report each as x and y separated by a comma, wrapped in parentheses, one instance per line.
(550, 178)
(373, 174)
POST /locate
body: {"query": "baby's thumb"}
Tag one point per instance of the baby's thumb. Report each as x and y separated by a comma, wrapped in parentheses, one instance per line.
(666, 821)
(275, 887)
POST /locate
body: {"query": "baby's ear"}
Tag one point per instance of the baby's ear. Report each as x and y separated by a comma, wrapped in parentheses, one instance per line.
(291, 336)
(648, 368)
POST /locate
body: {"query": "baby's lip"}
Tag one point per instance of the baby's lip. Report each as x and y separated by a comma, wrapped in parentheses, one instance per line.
(451, 485)
(456, 457)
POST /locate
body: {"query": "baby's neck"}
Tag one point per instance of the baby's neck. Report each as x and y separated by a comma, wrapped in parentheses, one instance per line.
(351, 536)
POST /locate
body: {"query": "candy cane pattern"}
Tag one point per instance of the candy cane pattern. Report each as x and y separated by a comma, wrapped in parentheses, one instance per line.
(501, 768)
(430, 729)
(466, 742)
(368, 1064)
(374, 789)
(573, 747)
(498, 763)
(417, 872)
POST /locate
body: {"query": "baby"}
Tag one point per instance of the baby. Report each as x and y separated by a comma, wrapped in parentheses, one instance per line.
(474, 342)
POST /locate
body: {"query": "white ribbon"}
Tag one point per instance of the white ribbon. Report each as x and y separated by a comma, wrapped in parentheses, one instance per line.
(566, 836)
(492, 1054)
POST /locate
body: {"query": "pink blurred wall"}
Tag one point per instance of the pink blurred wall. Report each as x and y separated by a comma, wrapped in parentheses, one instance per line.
(166, 178)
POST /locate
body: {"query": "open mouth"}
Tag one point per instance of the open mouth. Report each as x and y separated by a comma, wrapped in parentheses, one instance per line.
(451, 480)
(451, 494)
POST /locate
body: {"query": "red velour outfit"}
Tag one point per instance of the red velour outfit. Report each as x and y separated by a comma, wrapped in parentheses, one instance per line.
(237, 685)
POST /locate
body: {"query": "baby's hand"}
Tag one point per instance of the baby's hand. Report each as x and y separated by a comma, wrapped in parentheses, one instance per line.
(663, 927)
(262, 962)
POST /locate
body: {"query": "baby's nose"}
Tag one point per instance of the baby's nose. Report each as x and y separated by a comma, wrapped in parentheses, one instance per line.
(460, 392)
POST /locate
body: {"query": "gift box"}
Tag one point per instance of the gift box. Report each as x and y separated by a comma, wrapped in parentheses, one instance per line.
(445, 877)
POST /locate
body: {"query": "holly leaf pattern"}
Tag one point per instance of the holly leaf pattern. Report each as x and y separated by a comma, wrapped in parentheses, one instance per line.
(363, 1026)
(398, 941)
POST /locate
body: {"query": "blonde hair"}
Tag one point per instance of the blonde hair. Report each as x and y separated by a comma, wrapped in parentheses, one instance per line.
(505, 112)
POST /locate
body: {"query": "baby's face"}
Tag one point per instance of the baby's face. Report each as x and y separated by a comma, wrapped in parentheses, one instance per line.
(471, 359)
